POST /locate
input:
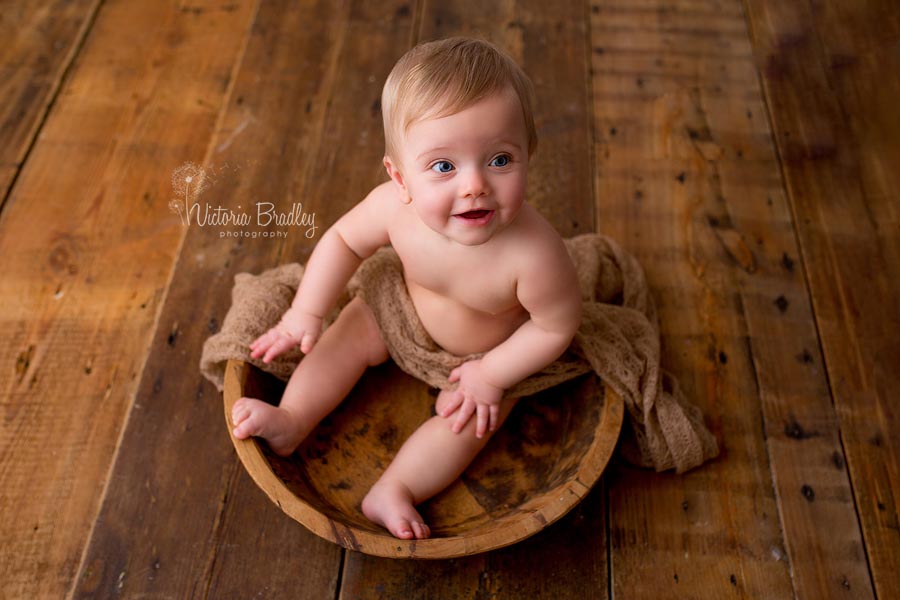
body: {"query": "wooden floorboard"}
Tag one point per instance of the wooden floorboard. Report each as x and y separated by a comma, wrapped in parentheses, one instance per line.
(689, 180)
(745, 150)
(271, 138)
(831, 73)
(86, 250)
(345, 139)
(40, 41)
(660, 119)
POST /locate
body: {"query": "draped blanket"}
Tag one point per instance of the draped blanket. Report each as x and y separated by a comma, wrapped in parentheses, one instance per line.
(618, 340)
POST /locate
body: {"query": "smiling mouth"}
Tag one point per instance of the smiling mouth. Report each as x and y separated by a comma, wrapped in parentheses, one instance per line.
(474, 215)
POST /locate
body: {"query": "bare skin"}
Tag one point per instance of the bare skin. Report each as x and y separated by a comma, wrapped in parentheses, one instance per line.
(318, 384)
(486, 273)
(391, 501)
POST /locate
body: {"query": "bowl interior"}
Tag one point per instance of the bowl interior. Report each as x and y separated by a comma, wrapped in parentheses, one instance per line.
(542, 446)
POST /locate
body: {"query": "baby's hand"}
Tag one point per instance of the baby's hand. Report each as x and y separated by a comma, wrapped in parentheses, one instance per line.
(295, 327)
(473, 395)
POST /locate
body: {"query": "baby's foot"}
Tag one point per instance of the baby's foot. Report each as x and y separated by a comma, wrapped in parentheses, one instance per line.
(274, 424)
(390, 505)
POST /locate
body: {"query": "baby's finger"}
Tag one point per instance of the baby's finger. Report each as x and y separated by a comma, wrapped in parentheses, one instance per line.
(495, 416)
(482, 422)
(269, 337)
(277, 348)
(308, 341)
(454, 375)
(465, 413)
(259, 349)
(258, 342)
(456, 398)
(262, 338)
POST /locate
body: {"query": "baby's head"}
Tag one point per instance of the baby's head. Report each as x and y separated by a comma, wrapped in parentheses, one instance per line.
(444, 77)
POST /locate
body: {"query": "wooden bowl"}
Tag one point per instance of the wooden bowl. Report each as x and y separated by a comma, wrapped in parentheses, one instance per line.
(545, 458)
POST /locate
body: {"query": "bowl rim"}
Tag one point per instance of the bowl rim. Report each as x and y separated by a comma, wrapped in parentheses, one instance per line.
(548, 507)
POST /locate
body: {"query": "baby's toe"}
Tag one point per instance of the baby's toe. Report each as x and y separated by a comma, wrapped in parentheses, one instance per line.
(421, 530)
(240, 432)
(241, 412)
(403, 530)
(246, 427)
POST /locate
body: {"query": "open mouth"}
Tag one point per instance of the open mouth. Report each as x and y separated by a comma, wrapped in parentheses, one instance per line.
(474, 215)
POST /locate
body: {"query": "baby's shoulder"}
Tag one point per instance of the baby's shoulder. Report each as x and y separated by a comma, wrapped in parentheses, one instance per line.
(379, 205)
(532, 235)
(534, 247)
(365, 227)
(384, 195)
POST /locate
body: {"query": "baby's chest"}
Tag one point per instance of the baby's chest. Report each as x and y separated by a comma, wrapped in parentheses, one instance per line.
(477, 284)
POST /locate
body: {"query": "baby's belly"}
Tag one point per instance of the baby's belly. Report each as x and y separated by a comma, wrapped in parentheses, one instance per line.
(459, 329)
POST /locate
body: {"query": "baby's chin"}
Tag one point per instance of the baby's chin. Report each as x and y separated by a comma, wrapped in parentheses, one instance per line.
(472, 239)
(470, 243)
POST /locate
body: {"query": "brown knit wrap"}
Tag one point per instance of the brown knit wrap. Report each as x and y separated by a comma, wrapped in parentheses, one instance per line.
(618, 340)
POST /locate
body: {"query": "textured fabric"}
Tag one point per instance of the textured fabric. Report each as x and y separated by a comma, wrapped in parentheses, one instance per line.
(618, 340)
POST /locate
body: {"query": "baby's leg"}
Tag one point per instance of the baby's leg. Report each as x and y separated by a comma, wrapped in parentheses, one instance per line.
(430, 460)
(319, 383)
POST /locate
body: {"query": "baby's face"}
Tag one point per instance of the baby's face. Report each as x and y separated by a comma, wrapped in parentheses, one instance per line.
(466, 172)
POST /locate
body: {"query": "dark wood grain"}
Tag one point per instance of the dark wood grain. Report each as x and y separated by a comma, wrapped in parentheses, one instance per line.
(40, 41)
(745, 150)
(87, 246)
(690, 182)
(551, 450)
(830, 73)
(576, 569)
(178, 445)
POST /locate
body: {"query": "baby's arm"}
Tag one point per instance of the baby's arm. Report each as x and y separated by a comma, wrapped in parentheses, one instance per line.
(547, 288)
(354, 237)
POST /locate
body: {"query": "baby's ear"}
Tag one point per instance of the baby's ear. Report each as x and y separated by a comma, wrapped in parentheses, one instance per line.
(397, 178)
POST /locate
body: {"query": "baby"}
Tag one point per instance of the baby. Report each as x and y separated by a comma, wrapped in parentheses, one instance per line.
(485, 272)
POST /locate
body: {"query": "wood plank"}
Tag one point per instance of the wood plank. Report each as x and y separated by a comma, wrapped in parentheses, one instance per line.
(367, 38)
(549, 41)
(689, 181)
(86, 249)
(565, 560)
(40, 41)
(830, 73)
(260, 552)
(286, 137)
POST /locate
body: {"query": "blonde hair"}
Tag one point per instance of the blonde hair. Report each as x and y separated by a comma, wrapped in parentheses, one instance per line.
(441, 78)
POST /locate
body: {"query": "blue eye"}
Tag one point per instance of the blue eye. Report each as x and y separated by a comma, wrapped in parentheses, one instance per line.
(500, 161)
(442, 166)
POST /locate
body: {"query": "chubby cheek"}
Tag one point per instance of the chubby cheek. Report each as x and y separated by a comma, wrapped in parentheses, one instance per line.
(434, 208)
(441, 208)
(514, 193)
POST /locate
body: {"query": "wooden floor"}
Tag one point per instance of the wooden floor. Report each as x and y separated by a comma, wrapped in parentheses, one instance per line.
(747, 151)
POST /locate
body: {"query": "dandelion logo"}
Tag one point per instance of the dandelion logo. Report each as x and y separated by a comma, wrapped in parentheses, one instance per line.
(188, 181)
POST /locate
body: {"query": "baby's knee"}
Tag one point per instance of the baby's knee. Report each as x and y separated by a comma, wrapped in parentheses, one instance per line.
(364, 327)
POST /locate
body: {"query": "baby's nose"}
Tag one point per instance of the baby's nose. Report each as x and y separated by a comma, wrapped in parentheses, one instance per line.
(474, 184)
